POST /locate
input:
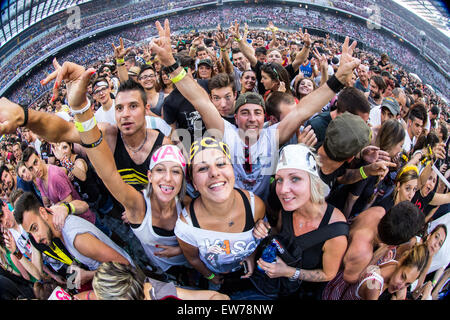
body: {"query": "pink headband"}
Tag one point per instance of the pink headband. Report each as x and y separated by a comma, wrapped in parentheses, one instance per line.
(168, 152)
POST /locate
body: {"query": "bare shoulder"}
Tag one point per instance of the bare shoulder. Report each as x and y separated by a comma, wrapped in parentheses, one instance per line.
(337, 216)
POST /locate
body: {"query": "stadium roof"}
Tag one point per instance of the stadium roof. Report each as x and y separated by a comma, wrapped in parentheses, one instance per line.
(433, 11)
(17, 15)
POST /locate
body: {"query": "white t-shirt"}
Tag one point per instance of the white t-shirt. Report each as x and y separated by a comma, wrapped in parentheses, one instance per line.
(375, 116)
(158, 123)
(74, 226)
(106, 116)
(442, 257)
(221, 252)
(263, 157)
(22, 240)
(148, 238)
(408, 144)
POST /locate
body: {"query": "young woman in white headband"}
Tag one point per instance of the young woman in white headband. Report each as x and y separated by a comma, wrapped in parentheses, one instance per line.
(313, 232)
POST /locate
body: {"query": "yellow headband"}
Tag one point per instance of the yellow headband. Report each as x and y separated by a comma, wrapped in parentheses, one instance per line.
(408, 168)
(209, 142)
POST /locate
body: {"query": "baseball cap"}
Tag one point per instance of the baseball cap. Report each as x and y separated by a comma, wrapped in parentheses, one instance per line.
(346, 135)
(249, 97)
(297, 156)
(206, 61)
(391, 104)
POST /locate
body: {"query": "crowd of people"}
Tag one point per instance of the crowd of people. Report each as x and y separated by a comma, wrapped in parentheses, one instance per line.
(235, 163)
(116, 14)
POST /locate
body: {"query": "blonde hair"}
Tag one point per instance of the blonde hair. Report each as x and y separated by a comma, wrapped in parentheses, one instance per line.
(318, 189)
(116, 281)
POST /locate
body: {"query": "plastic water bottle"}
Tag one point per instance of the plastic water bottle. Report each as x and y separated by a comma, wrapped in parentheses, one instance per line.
(269, 254)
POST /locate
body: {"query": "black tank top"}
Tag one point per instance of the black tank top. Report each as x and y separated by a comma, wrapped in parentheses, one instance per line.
(249, 220)
(311, 255)
(132, 173)
(89, 190)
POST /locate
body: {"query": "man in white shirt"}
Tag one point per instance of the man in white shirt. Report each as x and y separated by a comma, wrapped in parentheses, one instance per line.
(416, 120)
(102, 94)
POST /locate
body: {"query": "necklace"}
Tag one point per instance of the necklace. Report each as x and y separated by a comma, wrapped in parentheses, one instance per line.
(139, 148)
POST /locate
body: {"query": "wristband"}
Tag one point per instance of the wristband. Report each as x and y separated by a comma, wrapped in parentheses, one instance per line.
(238, 39)
(223, 49)
(86, 125)
(179, 76)
(296, 275)
(25, 115)
(86, 108)
(93, 144)
(335, 84)
(363, 174)
(173, 67)
(120, 61)
(434, 282)
(211, 276)
(70, 207)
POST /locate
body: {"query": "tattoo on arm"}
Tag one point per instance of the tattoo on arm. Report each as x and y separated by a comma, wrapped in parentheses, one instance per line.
(313, 275)
(351, 176)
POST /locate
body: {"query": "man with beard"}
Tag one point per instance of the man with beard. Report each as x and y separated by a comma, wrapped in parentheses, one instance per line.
(362, 83)
(375, 97)
(86, 243)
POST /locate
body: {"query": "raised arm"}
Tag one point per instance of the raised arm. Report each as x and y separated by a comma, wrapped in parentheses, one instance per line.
(100, 155)
(245, 48)
(315, 101)
(301, 56)
(188, 87)
(119, 54)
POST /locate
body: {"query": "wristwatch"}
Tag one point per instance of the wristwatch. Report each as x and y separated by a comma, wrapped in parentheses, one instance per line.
(296, 275)
(173, 67)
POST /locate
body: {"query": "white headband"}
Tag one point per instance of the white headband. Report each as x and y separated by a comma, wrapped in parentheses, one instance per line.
(297, 156)
(168, 152)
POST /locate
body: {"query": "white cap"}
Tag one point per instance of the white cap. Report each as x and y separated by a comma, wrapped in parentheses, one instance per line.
(168, 152)
(298, 156)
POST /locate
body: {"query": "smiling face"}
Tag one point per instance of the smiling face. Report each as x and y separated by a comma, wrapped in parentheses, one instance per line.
(250, 119)
(213, 175)
(147, 79)
(248, 80)
(166, 179)
(293, 188)
(130, 112)
(305, 87)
